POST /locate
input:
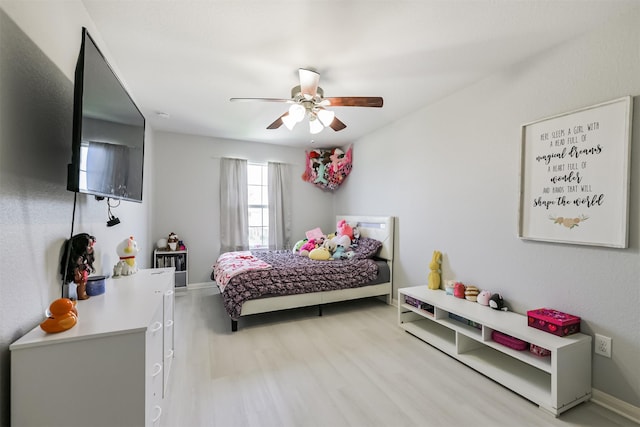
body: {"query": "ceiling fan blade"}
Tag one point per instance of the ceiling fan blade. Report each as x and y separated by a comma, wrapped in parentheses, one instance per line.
(355, 101)
(308, 82)
(337, 125)
(278, 122)
(261, 100)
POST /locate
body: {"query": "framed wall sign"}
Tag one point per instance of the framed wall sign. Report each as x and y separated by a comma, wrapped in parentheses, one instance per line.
(574, 176)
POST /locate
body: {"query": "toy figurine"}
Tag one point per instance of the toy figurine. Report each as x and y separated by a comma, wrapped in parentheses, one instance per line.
(127, 251)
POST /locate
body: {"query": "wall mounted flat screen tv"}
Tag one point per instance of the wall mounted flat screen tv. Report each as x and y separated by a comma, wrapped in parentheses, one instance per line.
(108, 131)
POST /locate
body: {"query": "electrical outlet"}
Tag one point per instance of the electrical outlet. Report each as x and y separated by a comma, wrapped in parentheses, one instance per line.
(602, 345)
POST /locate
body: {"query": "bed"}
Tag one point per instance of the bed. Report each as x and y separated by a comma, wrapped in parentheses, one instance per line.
(280, 280)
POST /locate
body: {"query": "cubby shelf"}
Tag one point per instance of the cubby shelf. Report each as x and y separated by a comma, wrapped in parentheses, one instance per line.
(555, 383)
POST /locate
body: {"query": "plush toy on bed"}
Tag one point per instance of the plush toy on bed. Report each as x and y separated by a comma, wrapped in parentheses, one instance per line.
(356, 235)
(298, 245)
(307, 247)
(320, 254)
(339, 253)
(344, 229)
(330, 245)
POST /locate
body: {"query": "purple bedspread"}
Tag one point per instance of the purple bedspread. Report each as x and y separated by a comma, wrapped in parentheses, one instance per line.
(295, 274)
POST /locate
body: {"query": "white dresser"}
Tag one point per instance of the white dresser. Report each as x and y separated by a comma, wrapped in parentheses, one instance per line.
(110, 369)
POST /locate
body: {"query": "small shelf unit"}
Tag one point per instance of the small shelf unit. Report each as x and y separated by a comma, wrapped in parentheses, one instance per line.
(463, 330)
(179, 260)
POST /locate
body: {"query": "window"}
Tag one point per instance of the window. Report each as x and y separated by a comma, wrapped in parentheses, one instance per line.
(257, 180)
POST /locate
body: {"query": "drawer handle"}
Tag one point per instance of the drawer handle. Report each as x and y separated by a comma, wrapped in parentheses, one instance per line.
(156, 326)
(169, 293)
(170, 354)
(157, 417)
(158, 369)
(169, 323)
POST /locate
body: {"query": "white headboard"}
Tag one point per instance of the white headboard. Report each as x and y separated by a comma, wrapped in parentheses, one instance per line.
(375, 227)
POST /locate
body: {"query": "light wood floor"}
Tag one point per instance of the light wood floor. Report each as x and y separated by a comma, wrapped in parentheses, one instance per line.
(351, 367)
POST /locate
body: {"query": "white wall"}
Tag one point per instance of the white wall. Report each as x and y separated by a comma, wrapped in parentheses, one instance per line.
(187, 193)
(39, 45)
(450, 173)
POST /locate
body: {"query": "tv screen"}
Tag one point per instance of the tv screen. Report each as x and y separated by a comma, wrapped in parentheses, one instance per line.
(108, 131)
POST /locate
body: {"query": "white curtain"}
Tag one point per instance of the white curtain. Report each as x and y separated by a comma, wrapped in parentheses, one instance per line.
(279, 206)
(234, 205)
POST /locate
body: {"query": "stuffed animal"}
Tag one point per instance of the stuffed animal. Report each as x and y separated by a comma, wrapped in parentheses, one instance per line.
(356, 233)
(458, 290)
(320, 254)
(448, 286)
(483, 297)
(497, 303)
(172, 242)
(298, 245)
(342, 240)
(434, 266)
(307, 247)
(343, 228)
(330, 245)
(339, 253)
(471, 293)
(127, 251)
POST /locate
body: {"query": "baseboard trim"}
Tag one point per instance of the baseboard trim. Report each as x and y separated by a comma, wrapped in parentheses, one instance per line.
(616, 405)
(203, 285)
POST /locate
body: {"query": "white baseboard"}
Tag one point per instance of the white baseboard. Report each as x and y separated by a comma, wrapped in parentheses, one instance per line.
(203, 285)
(616, 405)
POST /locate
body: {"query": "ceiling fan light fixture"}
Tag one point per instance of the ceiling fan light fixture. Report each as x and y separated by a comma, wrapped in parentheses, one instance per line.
(326, 116)
(297, 112)
(315, 125)
(289, 121)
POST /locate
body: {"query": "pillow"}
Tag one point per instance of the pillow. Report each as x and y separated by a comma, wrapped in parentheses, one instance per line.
(367, 248)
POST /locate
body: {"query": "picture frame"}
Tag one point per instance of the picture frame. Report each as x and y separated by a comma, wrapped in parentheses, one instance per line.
(574, 176)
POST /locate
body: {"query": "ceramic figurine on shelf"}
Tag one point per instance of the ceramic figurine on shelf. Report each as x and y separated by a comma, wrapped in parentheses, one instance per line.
(62, 315)
(77, 261)
(127, 251)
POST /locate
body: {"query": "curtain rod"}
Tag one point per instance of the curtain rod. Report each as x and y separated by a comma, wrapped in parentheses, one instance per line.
(252, 161)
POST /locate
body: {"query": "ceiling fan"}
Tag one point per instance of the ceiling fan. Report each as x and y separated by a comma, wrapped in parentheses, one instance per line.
(307, 100)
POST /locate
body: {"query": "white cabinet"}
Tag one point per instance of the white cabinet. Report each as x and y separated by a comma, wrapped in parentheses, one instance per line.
(109, 369)
(176, 259)
(463, 330)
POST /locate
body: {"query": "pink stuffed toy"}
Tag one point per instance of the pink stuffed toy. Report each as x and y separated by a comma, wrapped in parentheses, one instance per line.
(344, 229)
(307, 247)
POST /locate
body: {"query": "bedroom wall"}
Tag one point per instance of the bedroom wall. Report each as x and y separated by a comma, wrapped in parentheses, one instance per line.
(451, 176)
(187, 193)
(39, 45)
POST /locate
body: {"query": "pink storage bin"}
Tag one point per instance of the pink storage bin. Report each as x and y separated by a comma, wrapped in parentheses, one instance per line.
(509, 341)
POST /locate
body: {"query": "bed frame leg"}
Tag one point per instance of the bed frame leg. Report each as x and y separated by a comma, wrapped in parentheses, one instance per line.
(234, 325)
(319, 310)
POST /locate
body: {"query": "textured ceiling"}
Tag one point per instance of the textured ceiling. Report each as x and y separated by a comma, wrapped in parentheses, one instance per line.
(187, 58)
